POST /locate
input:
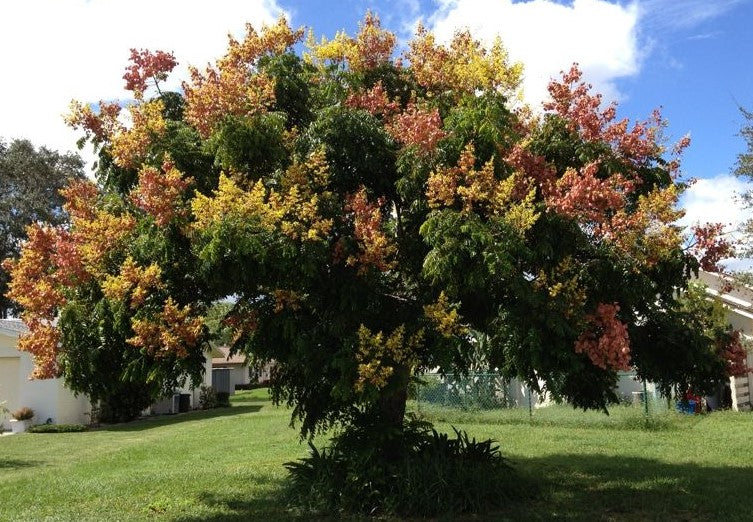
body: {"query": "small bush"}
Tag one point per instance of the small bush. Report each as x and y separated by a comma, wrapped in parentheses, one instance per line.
(207, 398)
(427, 474)
(57, 428)
(223, 399)
(24, 413)
(251, 386)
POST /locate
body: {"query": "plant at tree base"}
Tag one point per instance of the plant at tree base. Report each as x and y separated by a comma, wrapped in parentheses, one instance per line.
(366, 214)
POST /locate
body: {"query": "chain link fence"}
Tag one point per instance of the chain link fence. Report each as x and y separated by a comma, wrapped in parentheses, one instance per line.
(490, 391)
(476, 391)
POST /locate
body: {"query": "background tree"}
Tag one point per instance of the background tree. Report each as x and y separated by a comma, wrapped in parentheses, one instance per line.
(367, 214)
(744, 168)
(30, 181)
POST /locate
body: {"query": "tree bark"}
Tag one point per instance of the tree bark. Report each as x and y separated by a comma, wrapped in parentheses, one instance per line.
(391, 415)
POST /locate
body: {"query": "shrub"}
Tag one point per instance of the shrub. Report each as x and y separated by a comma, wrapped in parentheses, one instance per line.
(57, 428)
(251, 385)
(223, 399)
(427, 474)
(207, 398)
(24, 413)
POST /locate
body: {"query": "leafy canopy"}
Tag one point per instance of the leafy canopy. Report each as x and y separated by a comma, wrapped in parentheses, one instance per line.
(366, 213)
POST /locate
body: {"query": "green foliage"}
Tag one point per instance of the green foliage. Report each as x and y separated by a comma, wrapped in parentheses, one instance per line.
(291, 88)
(744, 168)
(30, 179)
(427, 474)
(359, 150)
(250, 145)
(219, 333)
(689, 359)
(223, 399)
(207, 398)
(100, 364)
(57, 428)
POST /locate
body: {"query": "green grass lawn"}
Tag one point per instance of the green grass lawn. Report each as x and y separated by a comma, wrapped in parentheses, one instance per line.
(226, 464)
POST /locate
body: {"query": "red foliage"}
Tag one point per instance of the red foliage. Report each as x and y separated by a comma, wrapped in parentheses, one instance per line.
(421, 128)
(375, 248)
(734, 353)
(374, 101)
(159, 193)
(710, 246)
(147, 66)
(571, 99)
(606, 340)
(582, 195)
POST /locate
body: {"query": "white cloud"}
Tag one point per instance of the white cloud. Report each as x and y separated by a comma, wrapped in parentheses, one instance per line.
(57, 50)
(548, 37)
(715, 200)
(661, 15)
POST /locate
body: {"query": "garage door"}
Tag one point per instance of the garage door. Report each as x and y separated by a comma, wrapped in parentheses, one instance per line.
(9, 368)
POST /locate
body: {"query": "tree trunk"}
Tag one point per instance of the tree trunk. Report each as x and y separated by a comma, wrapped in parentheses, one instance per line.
(392, 406)
(391, 414)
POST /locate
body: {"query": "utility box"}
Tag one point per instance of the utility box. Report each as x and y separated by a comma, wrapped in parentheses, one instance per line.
(168, 405)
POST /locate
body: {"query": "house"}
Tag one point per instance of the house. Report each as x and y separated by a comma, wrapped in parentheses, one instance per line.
(738, 300)
(49, 398)
(192, 394)
(234, 367)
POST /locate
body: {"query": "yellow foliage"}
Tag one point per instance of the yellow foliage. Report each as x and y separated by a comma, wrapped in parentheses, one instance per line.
(129, 146)
(377, 356)
(294, 211)
(463, 67)
(445, 318)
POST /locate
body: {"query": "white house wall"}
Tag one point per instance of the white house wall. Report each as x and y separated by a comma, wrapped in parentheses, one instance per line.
(49, 398)
(9, 371)
(206, 381)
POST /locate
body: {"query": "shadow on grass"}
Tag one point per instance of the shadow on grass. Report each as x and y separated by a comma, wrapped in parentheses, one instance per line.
(269, 505)
(596, 487)
(19, 463)
(148, 423)
(570, 487)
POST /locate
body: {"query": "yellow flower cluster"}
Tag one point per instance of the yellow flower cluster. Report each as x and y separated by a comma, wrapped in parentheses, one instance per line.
(463, 67)
(480, 190)
(371, 47)
(377, 356)
(648, 233)
(445, 317)
(96, 238)
(235, 87)
(294, 210)
(129, 146)
(172, 332)
(286, 298)
(133, 280)
(562, 285)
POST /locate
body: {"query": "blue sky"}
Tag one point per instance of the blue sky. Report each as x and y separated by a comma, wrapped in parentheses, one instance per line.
(691, 57)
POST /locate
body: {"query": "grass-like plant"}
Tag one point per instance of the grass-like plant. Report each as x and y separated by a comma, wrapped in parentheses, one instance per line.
(24, 413)
(419, 473)
(57, 428)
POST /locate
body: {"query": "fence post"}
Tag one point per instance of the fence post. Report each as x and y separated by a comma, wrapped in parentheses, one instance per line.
(530, 403)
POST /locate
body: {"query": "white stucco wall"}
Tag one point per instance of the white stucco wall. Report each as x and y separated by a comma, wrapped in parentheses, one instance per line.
(49, 398)
(206, 381)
